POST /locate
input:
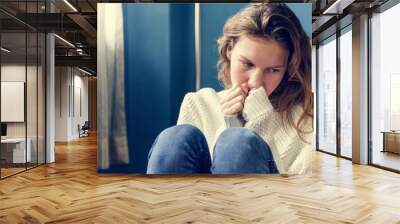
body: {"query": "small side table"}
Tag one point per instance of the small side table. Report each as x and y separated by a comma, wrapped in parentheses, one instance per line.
(391, 141)
(15, 147)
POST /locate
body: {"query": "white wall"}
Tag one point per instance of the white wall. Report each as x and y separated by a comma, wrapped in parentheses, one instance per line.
(61, 103)
(13, 72)
(70, 83)
(33, 127)
(81, 84)
(17, 72)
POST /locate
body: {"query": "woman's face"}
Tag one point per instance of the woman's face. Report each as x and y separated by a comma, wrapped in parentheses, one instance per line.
(256, 62)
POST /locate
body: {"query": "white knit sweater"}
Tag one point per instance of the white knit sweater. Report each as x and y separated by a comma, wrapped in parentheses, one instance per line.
(292, 155)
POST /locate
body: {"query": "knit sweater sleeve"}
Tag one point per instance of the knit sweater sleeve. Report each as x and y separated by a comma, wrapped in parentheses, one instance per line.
(291, 153)
(188, 113)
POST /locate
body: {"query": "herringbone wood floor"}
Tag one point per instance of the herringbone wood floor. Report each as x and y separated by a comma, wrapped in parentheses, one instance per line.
(70, 191)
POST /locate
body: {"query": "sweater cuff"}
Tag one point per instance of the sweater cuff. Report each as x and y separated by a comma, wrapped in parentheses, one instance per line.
(256, 103)
(233, 121)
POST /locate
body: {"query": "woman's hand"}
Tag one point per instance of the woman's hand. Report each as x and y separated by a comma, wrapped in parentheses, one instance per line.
(233, 101)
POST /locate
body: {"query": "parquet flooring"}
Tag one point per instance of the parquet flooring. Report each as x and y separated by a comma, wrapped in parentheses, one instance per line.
(70, 191)
(10, 171)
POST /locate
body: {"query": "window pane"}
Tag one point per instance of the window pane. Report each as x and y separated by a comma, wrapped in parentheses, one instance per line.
(327, 96)
(346, 94)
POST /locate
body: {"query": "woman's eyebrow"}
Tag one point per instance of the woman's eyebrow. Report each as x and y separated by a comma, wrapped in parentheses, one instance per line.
(243, 58)
(276, 66)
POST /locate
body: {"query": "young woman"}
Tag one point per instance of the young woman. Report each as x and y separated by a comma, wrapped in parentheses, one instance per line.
(262, 121)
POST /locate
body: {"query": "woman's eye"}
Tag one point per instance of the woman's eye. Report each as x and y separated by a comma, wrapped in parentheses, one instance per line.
(272, 70)
(247, 65)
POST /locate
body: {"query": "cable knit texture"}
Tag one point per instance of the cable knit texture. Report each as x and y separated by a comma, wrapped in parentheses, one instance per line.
(292, 153)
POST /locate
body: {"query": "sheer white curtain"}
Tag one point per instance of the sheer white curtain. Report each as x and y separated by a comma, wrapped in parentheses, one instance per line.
(112, 143)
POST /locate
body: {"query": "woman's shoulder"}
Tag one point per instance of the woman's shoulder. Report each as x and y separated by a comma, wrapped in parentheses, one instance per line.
(207, 94)
(206, 99)
(203, 104)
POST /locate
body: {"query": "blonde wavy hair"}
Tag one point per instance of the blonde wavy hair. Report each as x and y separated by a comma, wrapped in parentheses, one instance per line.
(277, 22)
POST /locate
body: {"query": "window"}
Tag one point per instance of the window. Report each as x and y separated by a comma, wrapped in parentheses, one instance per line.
(327, 95)
(346, 92)
(385, 87)
(22, 67)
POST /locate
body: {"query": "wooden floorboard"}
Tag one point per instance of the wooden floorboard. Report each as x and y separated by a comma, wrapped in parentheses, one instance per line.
(71, 191)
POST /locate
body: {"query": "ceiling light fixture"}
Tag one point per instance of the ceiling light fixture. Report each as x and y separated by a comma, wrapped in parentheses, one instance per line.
(64, 40)
(5, 50)
(84, 71)
(70, 5)
(338, 6)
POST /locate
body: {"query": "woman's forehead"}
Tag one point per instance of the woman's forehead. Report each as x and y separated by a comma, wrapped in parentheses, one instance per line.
(261, 50)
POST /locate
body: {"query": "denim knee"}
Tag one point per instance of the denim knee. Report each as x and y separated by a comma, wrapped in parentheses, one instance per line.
(183, 131)
(235, 141)
(241, 150)
(173, 138)
(176, 150)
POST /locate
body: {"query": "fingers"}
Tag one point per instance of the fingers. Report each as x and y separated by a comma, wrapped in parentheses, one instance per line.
(234, 106)
(237, 99)
(233, 110)
(233, 102)
(232, 93)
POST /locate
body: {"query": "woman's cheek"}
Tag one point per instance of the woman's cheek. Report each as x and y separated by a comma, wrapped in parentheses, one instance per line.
(238, 77)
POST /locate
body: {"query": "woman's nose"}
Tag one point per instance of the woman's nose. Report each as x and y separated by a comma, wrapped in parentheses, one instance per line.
(255, 80)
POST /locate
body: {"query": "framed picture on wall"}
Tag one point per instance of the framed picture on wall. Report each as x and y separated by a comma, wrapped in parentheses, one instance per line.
(12, 101)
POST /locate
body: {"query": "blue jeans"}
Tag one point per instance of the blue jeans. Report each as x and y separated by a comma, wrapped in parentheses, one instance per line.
(183, 149)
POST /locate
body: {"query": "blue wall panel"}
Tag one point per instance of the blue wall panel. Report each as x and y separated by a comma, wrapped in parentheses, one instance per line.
(159, 60)
(212, 20)
(182, 46)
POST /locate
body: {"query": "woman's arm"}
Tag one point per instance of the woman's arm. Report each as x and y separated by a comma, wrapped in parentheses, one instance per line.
(292, 155)
(303, 161)
(188, 114)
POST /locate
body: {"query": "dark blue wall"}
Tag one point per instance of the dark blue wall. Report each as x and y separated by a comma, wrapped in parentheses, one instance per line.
(212, 20)
(182, 55)
(159, 70)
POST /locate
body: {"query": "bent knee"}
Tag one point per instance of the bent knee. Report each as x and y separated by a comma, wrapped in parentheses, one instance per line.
(239, 141)
(182, 131)
(171, 141)
(239, 135)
